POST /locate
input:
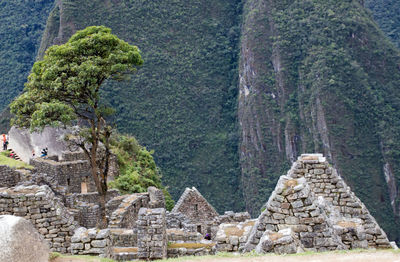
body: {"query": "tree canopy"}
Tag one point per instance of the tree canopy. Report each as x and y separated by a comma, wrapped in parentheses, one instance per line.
(65, 86)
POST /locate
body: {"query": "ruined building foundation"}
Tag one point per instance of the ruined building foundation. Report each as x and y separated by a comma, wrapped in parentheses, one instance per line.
(311, 209)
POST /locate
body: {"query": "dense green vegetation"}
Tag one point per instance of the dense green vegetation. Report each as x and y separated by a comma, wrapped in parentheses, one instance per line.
(21, 26)
(336, 93)
(138, 169)
(387, 15)
(182, 101)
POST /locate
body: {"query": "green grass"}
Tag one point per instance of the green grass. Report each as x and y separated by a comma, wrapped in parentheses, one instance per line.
(236, 255)
(7, 161)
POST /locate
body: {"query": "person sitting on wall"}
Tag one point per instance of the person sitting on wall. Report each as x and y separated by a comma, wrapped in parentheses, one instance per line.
(207, 237)
(44, 152)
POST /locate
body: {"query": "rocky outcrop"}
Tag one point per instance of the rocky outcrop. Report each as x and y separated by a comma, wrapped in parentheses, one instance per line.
(44, 210)
(20, 241)
(24, 143)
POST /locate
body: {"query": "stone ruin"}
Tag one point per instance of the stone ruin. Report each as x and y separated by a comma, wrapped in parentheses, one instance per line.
(311, 208)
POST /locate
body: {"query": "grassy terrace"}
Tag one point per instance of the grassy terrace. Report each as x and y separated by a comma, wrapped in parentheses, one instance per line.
(224, 256)
(7, 161)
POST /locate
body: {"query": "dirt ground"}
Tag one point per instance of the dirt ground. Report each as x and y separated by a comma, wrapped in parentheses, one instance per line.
(384, 256)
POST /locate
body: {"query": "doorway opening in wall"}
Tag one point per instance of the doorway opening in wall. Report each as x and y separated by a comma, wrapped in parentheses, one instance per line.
(196, 207)
(199, 228)
(68, 181)
(84, 186)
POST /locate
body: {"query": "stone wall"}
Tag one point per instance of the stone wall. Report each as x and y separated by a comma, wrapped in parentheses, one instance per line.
(69, 174)
(91, 242)
(152, 235)
(72, 199)
(46, 212)
(126, 215)
(194, 249)
(9, 177)
(232, 217)
(180, 221)
(319, 208)
(179, 235)
(350, 217)
(123, 237)
(194, 206)
(71, 156)
(230, 237)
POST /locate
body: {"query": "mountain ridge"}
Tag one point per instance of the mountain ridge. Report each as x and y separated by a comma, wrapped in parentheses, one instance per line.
(231, 93)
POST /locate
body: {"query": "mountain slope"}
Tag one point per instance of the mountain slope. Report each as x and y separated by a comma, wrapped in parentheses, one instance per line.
(319, 76)
(387, 15)
(314, 76)
(21, 27)
(181, 103)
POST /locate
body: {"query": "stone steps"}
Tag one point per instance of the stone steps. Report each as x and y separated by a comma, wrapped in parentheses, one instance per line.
(16, 157)
(124, 253)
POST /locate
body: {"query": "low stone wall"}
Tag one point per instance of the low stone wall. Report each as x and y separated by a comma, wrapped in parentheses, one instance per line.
(126, 214)
(91, 242)
(191, 250)
(230, 216)
(180, 221)
(152, 235)
(284, 241)
(122, 237)
(232, 236)
(179, 235)
(9, 177)
(85, 207)
(46, 212)
(68, 156)
(72, 199)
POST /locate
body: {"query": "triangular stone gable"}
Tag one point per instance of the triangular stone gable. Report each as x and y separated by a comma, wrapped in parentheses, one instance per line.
(293, 205)
(194, 206)
(315, 202)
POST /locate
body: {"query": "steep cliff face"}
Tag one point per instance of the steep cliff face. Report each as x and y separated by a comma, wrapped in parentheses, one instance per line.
(319, 76)
(182, 101)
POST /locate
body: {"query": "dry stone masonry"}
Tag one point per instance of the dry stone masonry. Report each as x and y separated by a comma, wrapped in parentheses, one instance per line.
(232, 236)
(321, 211)
(152, 235)
(91, 242)
(47, 213)
(311, 208)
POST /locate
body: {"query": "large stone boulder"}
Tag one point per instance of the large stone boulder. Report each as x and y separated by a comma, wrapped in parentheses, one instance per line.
(20, 241)
(22, 141)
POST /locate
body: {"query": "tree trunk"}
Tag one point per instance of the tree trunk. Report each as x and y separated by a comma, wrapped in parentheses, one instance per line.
(103, 222)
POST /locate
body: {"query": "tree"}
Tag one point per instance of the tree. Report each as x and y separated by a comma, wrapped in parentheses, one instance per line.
(64, 89)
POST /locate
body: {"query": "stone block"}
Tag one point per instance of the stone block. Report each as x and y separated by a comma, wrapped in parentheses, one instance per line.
(77, 246)
(99, 243)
